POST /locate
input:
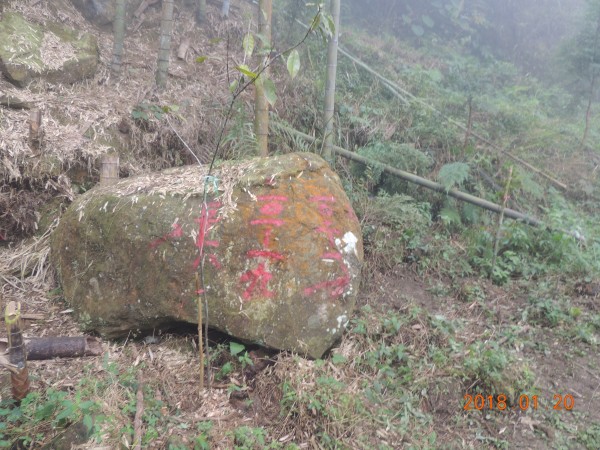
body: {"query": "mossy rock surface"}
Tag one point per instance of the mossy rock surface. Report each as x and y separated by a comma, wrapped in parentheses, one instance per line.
(54, 52)
(281, 246)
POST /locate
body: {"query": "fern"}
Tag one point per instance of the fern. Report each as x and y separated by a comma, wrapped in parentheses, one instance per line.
(453, 174)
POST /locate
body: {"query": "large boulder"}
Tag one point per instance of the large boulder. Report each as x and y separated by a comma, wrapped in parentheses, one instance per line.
(281, 246)
(57, 53)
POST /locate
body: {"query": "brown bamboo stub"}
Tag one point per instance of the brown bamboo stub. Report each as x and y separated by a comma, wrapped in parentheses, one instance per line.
(16, 351)
(35, 130)
(109, 168)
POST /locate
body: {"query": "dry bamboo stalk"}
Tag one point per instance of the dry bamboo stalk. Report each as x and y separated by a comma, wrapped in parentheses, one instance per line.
(16, 350)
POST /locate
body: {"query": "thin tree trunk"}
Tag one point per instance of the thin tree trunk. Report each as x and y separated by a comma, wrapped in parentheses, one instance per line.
(119, 36)
(330, 83)
(225, 9)
(261, 112)
(201, 11)
(164, 45)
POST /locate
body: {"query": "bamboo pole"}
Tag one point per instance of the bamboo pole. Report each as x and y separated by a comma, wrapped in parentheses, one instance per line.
(261, 112)
(332, 50)
(463, 196)
(164, 46)
(119, 36)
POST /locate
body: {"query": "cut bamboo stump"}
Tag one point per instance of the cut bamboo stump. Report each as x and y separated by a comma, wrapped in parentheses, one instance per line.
(19, 378)
(109, 169)
(35, 130)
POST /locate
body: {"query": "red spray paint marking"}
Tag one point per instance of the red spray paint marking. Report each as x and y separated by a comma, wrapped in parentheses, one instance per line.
(258, 279)
(276, 222)
(339, 284)
(206, 222)
(265, 254)
(176, 233)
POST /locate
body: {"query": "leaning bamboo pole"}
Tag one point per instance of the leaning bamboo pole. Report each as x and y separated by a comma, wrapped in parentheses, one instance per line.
(459, 195)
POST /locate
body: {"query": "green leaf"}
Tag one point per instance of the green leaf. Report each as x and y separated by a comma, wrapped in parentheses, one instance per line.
(235, 348)
(428, 21)
(450, 216)
(233, 86)
(244, 69)
(269, 90)
(201, 59)
(315, 23)
(264, 40)
(338, 359)
(293, 63)
(418, 30)
(453, 174)
(88, 422)
(248, 45)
